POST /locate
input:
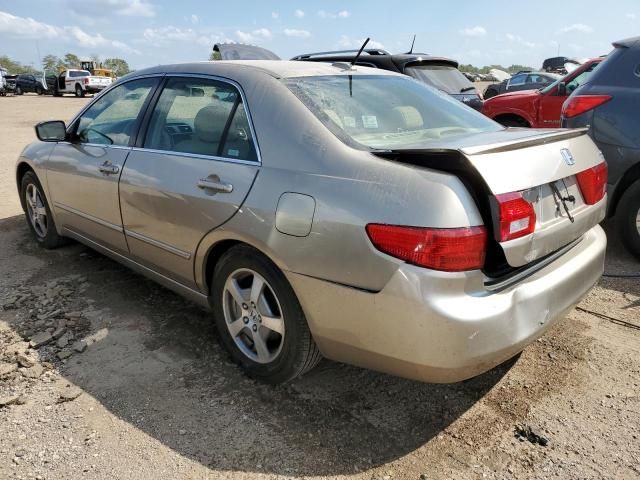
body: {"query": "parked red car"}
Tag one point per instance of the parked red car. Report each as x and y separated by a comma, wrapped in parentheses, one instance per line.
(537, 108)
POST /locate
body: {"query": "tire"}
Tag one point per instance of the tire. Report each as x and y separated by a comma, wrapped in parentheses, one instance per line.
(514, 122)
(39, 91)
(628, 219)
(79, 91)
(17, 91)
(286, 355)
(46, 236)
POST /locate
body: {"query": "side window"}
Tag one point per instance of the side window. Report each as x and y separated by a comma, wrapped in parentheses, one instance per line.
(535, 79)
(111, 120)
(202, 117)
(517, 80)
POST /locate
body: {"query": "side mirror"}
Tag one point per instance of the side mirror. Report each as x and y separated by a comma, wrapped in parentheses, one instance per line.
(562, 89)
(51, 131)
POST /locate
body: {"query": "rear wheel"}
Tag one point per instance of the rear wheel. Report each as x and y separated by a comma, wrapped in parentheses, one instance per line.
(39, 91)
(259, 318)
(18, 91)
(628, 219)
(79, 91)
(38, 213)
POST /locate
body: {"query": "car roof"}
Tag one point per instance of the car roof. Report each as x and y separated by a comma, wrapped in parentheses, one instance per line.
(632, 42)
(274, 68)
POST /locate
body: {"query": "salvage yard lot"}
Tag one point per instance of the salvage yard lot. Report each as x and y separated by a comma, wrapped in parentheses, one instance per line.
(146, 391)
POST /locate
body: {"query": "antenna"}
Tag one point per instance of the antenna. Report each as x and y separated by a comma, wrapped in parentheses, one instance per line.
(412, 43)
(353, 62)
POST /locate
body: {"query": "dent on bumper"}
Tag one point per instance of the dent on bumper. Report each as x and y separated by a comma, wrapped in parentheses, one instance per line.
(443, 327)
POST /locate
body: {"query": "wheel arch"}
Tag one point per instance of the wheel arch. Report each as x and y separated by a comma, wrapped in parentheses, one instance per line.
(214, 245)
(514, 116)
(630, 177)
(22, 168)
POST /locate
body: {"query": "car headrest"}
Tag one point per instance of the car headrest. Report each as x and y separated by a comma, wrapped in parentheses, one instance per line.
(410, 117)
(209, 123)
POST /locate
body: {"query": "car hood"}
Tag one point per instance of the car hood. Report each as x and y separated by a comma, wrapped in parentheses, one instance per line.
(517, 93)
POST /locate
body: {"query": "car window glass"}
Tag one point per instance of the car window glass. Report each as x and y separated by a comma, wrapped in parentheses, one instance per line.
(535, 79)
(112, 118)
(444, 77)
(386, 112)
(202, 117)
(517, 80)
(580, 79)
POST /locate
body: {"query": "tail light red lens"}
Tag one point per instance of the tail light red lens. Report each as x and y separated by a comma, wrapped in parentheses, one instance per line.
(593, 183)
(446, 249)
(86, 81)
(576, 105)
(517, 217)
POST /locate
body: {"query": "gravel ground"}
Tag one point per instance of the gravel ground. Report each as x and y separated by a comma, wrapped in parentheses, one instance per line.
(106, 375)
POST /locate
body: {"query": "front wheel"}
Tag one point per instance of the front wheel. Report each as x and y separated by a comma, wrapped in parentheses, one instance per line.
(259, 318)
(79, 91)
(628, 219)
(38, 213)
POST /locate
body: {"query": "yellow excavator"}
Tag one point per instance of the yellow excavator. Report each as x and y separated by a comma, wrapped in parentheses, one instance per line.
(96, 69)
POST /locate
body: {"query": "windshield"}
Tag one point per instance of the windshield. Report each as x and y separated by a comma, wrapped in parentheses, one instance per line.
(386, 112)
(578, 80)
(444, 77)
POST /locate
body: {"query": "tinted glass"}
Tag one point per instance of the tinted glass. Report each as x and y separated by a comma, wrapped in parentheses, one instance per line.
(386, 112)
(77, 74)
(443, 77)
(518, 79)
(203, 117)
(112, 119)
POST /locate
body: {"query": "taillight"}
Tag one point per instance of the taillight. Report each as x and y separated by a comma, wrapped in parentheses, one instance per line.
(86, 81)
(447, 249)
(593, 183)
(575, 105)
(517, 217)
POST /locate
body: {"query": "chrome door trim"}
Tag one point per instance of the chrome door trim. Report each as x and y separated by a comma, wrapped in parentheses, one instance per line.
(167, 282)
(157, 243)
(244, 104)
(101, 145)
(195, 155)
(86, 216)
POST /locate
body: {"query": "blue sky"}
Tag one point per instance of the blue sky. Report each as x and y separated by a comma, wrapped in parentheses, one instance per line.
(150, 32)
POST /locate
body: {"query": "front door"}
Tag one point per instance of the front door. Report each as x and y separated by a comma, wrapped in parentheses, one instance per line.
(83, 174)
(189, 174)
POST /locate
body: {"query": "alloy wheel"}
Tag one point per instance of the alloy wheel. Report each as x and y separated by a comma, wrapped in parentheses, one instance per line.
(253, 315)
(36, 210)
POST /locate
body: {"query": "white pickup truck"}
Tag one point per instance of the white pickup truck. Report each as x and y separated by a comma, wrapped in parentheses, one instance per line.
(78, 82)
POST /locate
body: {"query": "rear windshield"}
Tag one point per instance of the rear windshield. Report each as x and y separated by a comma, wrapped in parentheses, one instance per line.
(444, 77)
(79, 74)
(386, 112)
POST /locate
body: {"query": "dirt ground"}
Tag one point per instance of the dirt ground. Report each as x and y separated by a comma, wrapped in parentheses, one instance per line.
(130, 382)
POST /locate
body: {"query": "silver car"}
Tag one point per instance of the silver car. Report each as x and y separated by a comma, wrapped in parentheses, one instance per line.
(326, 210)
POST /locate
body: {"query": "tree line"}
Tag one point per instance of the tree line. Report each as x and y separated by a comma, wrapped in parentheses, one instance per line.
(486, 68)
(53, 63)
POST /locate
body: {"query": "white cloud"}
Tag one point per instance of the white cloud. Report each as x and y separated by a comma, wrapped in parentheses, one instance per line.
(299, 13)
(340, 14)
(195, 19)
(349, 42)
(170, 35)
(253, 36)
(631, 16)
(292, 32)
(129, 8)
(576, 27)
(275, 15)
(519, 40)
(26, 27)
(477, 31)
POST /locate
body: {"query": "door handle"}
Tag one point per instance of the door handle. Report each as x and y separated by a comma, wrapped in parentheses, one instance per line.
(208, 184)
(109, 168)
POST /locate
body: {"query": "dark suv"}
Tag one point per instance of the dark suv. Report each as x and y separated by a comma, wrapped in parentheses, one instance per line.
(609, 105)
(27, 83)
(441, 73)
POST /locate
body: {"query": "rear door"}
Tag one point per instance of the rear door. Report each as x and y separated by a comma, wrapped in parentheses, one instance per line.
(189, 174)
(83, 174)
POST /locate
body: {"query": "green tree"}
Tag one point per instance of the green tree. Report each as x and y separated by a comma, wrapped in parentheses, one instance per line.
(51, 62)
(215, 56)
(119, 66)
(14, 67)
(71, 60)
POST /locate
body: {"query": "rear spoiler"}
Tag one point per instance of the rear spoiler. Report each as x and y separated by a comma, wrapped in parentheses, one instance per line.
(543, 138)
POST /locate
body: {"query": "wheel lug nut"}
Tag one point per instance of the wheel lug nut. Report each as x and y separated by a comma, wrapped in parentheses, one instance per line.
(255, 328)
(245, 319)
(244, 306)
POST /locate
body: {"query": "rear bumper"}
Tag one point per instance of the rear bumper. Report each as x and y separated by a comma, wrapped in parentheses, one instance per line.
(445, 327)
(94, 88)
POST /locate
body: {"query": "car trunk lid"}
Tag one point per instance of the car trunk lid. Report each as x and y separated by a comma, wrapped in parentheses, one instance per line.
(540, 168)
